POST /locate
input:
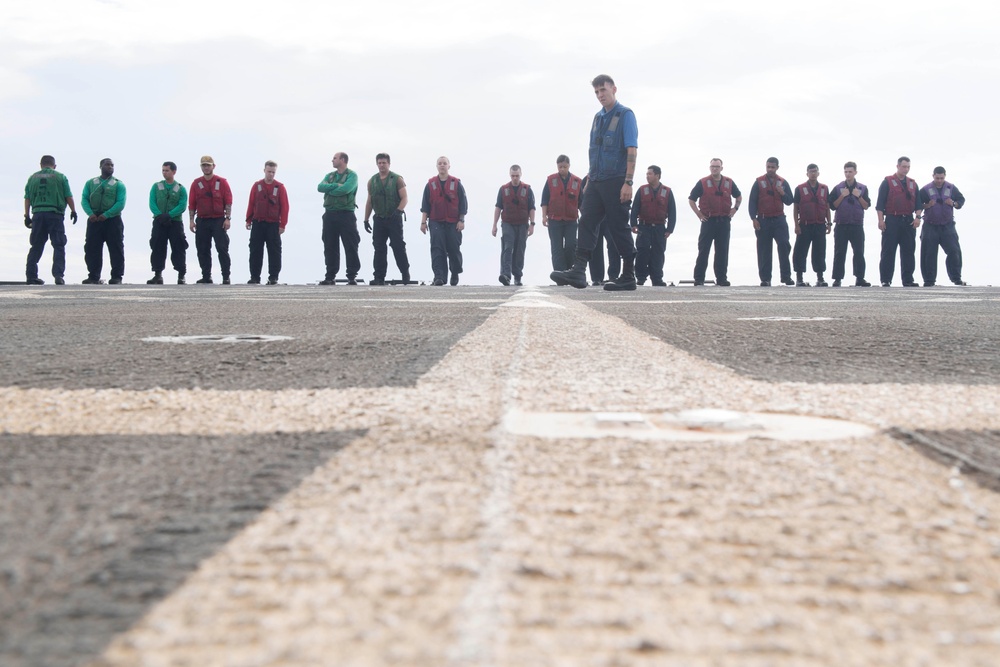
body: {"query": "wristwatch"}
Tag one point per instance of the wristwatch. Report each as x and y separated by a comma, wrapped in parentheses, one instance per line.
(628, 181)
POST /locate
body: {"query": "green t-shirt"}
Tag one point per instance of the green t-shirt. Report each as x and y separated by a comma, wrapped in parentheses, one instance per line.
(47, 190)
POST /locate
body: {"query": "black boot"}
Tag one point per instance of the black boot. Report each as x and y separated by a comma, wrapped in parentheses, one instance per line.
(819, 280)
(799, 282)
(626, 281)
(576, 274)
(157, 279)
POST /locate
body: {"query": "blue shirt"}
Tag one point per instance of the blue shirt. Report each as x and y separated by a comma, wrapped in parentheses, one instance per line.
(611, 135)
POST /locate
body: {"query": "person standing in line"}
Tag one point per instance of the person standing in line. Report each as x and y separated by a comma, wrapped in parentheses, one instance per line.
(898, 201)
(46, 196)
(711, 199)
(849, 201)
(811, 214)
(769, 196)
(211, 200)
(516, 206)
(103, 200)
(267, 216)
(442, 209)
(340, 223)
(167, 201)
(614, 140)
(561, 199)
(387, 198)
(941, 200)
(654, 214)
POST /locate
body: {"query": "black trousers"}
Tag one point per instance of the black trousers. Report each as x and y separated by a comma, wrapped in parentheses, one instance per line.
(603, 202)
(932, 236)
(814, 236)
(265, 234)
(842, 235)
(389, 229)
(341, 227)
(47, 226)
(899, 233)
(206, 231)
(773, 231)
(110, 232)
(172, 233)
(562, 243)
(715, 230)
(650, 248)
(596, 259)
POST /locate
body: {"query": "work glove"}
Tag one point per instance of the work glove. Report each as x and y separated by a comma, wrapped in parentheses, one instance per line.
(368, 227)
(72, 216)
(162, 219)
(27, 221)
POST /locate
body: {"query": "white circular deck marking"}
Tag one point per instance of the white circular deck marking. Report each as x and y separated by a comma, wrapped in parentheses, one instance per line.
(685, 426)
(219, 338)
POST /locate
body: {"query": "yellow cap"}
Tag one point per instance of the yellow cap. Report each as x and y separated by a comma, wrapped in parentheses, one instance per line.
(207, 159)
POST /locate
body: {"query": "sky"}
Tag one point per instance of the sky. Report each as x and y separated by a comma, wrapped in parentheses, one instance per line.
(492, 84)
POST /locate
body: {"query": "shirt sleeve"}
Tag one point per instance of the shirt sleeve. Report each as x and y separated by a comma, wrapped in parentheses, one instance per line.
(425, 201)
(630, 130)
(85, 199)
(736, 190)
(253, 196)
(754, 197)
(636, 209)
(883, 196)
(152, 201)
(797, 197)
(696, 192)
(227, 194)
(68, 191)
(119, 204)
(191, 202)
(178, 211)
(283, 204)
(500, 199)
(463, 202)
(671, 212)
(545, 193)
(531, 199)
(957, 197)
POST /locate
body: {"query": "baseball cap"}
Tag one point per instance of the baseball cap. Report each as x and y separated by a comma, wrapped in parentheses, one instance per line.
(207, 159)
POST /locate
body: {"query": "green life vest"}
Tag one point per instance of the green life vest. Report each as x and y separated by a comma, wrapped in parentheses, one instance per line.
(45, 191)
(103, 195)
(168, 198)
(385, 194)
(339, 202)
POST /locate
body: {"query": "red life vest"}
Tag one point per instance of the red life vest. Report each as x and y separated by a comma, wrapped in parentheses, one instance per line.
(813, 206)
(564, 198)
(266, 202)
(653, 205)
(210, 196)
(898, 203)
(716, 200)
(443, 199)
(769, 204)
(515, 204)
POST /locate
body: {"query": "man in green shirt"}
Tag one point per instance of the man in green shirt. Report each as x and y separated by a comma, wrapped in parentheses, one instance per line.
(387, 198)
(103, 200)
(340, 224)
(167, 201)
(46, 196)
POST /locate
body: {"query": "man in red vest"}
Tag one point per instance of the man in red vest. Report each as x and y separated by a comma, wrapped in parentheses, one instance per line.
(211, 200)
(898, 199)
(769, 196)
(711, 199)
(443, 208)
(654, 215)
(516, 207)
(267, 215)
(561, 199)
(811, 214)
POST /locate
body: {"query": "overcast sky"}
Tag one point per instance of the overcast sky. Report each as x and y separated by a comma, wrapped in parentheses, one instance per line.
(490, 84)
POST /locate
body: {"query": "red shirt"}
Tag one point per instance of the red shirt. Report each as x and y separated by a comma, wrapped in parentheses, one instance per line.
(210, 197)
(268, 203)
